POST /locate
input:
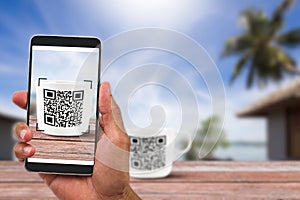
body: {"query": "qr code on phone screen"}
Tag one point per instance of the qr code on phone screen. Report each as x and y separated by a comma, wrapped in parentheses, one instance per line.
(63, 108)
(147, 153)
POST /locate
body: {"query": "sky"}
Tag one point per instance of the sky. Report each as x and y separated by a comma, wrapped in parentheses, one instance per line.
(144, 78)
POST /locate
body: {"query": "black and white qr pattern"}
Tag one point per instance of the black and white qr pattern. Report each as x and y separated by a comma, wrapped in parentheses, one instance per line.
(63, 108)
(148, 153)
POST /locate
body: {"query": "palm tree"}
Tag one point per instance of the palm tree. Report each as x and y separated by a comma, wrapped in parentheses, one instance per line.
(262, 46)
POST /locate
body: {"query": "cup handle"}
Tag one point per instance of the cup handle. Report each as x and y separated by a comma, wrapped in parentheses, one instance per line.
(186, 149)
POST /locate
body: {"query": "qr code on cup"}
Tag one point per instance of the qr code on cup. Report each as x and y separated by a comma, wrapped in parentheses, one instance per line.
(63, 108)
(147, 153)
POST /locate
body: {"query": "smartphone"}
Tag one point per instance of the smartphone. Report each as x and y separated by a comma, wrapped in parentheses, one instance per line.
(62, 112)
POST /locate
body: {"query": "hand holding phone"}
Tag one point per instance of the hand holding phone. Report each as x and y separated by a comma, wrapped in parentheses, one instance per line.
(105, 182)
(62, 104)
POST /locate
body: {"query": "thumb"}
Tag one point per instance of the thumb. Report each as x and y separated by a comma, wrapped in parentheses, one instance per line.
(20, 99)
(111, 119)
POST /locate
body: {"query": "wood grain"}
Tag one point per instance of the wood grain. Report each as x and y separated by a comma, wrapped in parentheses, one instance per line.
(25, 191)
(58, 147)
(228, 190)
(188, 180)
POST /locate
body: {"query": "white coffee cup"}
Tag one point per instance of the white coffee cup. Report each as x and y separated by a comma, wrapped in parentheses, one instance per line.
(152, 154)
(63, 107)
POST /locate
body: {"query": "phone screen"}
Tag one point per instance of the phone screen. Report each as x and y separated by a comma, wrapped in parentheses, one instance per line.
(62, 109)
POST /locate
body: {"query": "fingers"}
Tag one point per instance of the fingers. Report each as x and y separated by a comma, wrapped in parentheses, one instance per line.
(23, 132)
(23, 150)
(111, 119)
(20, 99)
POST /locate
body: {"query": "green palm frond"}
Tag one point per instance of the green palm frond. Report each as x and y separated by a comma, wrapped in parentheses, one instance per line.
(235, 45)
(251, 74)
(270, 62)
(289, 39)
(255, 22)
(240, 65)
(277, 19)
(287, 62)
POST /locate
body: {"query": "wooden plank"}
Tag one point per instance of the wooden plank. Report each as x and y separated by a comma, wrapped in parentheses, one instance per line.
(55, 147)
(87, 137)
(69, 156)
(23, 176)
(228, 171)
(32, 191)
(70, 150)
(227, 177)
(228, 190)
(185, 172)
(63, 146)
(188, 180)
(11, 171)
(210, 196)
(170, 191)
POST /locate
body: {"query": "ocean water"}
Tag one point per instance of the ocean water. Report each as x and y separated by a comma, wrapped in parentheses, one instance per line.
(239, 152)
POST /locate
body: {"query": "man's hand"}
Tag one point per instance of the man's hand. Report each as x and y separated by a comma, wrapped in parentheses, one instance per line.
(106, 182)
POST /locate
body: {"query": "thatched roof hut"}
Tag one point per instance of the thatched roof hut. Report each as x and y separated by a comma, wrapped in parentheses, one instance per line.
(282, 110)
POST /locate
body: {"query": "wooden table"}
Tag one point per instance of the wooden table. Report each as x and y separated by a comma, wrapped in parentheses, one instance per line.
(188, 180)
(57, 147)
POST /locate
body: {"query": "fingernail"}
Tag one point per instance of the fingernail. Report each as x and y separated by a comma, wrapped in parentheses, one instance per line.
(23, 133)
(27, 150)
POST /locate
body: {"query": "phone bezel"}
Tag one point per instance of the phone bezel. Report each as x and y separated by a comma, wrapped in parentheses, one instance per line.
(64, 41)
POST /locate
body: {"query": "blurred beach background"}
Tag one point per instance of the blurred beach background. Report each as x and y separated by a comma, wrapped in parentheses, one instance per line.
(224, 29)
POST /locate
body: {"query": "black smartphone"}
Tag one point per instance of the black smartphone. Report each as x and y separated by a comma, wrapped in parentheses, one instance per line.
(62, 112)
